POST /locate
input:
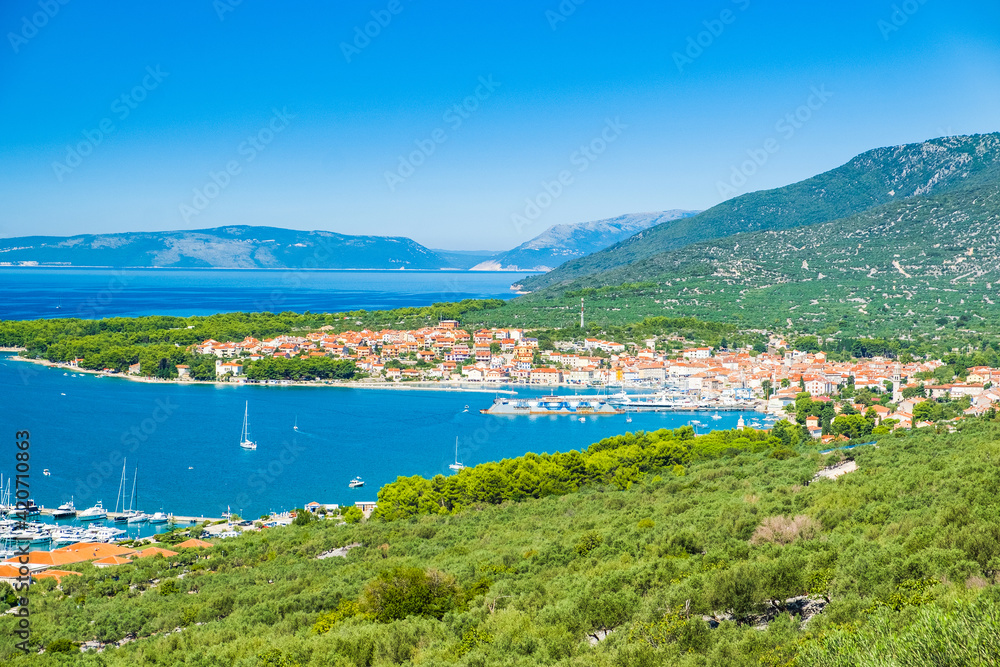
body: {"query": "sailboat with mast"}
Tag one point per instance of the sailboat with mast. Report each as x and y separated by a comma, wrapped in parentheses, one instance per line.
(456, 465)
(245, 441)
(120, 499)
(134, 515)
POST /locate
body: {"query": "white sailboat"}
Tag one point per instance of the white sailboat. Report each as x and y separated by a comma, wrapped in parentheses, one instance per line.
(456, 465)
(245, 441)
(120, 498)
(133, 515)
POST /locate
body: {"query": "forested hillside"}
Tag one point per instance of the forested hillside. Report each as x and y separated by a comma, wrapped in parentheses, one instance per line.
(716, 554)
(922, 264)
(872, 179)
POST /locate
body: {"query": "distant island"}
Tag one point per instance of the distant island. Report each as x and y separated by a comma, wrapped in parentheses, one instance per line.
(254, 247)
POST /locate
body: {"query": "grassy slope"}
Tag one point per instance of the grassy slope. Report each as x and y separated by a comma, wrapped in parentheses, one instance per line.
(900, 266)
(870, 180)
(920, 506)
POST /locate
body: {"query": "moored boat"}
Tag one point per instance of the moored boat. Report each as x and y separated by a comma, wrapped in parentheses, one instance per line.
(93, 513)
(245, 441)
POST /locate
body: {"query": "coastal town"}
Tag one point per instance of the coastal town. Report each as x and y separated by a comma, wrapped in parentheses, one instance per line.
(771, 380)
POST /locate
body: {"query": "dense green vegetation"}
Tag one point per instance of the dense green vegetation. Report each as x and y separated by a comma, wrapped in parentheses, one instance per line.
(619, 461)
(159, 343)
(311, 368)
(873, 179)
(674, 569)
(897, 240)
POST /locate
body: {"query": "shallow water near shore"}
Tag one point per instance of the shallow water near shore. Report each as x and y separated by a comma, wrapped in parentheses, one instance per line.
(185, 439)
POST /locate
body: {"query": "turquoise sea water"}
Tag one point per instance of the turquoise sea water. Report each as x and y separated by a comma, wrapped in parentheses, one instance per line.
(31, 293)
(185, 439)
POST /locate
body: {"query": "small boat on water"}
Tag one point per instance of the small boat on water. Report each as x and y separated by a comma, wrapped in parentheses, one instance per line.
(46, 472)
(716, 415)
(158, 517)
(245, 441)
(356, 483)
(456, 465)
(93, 513)
(138, 517)
(296, 426)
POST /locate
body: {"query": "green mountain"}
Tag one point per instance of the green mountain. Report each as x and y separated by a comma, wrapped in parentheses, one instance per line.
(870, 180)
(234, 247)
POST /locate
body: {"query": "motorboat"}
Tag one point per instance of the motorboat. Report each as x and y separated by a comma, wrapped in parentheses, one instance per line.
(64, 511)
(158, 517)
(138, 517)
(93, 513)
(46, 472)
(356, 483)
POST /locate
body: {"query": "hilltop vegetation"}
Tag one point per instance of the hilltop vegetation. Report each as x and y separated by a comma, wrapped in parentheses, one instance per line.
(679, 567)
(921, 265)
(872, 179)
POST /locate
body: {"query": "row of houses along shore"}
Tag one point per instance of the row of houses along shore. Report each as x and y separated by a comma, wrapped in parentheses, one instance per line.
(509, 356)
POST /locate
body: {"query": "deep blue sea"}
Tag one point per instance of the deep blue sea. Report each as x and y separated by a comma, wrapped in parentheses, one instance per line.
(184, 439)
(32, 293)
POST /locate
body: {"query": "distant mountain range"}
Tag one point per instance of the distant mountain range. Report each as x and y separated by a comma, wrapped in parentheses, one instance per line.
(233, 247)
(561, 243)
(246, 247)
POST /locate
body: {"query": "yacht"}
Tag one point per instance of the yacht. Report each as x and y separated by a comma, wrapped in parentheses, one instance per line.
(64, 511)
(138, 517)
(93, 513)
(716, 415)
(245, 441)
(158, 517)
(456, 465)
(356, 483)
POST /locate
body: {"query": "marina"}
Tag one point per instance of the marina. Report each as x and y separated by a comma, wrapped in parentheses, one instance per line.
(599, 404)
(183, 440)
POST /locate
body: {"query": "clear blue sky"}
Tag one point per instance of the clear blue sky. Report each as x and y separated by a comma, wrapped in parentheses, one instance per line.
(346, 115)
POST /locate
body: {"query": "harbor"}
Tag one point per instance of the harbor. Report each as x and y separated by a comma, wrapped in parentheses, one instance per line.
(622, 402)
(185, 441)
